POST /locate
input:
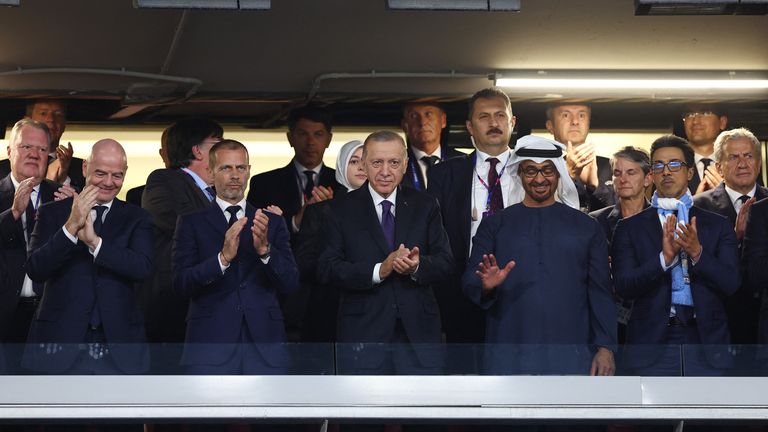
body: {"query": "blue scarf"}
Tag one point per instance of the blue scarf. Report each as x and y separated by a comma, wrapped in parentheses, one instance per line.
(681, 285)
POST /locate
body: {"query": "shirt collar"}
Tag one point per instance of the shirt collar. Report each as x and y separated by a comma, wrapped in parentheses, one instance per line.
(301, 168)
(198, 180)
(503, 157)
(697, 157)
(418, 154)
(377, 199)
(734, 196)
(108, 205)
(16, 184)
(223, 205)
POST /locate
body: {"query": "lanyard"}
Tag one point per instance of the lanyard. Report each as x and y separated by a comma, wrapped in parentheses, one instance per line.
(415, 166)
(486, 186)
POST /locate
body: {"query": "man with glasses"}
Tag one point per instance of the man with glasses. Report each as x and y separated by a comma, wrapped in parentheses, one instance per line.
(539, 268)
(737, 160)
(702, 125)
(22, 192)
(677, 262)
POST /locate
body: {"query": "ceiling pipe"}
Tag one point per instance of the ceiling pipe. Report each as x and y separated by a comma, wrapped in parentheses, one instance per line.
(174, 42)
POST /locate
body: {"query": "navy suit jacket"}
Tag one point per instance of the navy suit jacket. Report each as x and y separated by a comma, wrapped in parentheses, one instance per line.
(245, 293)
(717, 201)
(755, 253)
(355, 244)
(169, 193)
(603, 195)
(638, 276)
(408, 179)
(75, 283)
(608, 217)
(13, 250)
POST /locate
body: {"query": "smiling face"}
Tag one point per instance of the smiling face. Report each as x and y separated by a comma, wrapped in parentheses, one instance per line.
(540, 182)
(355, 172)
(702, 127)
(569, 123)
(106, 168)
(491, 125)
(385, 163)
(670, 184)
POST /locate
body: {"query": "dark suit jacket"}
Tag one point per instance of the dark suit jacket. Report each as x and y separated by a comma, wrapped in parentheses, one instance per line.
(245, 293)
(13, 249)
(77, 180)
(133, 196)
(603, 195)
(638, 276)
(75, 283)
(169, 193)
(450, 182)
(608, 217)
(408, 180)
(280, 187)
(743, 307)
(355, 244)
(755, 253)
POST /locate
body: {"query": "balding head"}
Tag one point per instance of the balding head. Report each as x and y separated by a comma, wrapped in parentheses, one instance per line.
(105, 168)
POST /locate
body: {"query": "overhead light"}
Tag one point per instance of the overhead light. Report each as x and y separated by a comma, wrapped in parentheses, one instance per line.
(658, 84)
(701, 7)
(203, 4)
(10, 2)
(461, 5)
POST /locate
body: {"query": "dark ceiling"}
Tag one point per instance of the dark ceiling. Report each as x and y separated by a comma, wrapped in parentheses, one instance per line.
(116, 63)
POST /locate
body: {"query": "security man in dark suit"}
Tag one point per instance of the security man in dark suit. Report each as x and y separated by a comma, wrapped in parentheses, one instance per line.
(303, 182)
(22, 192)
(423, 124)
(91, 251)
(737, 161)
(386, 250)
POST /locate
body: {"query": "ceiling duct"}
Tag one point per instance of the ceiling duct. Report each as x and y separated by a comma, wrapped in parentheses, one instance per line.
(203, 4)
(701, 7)
(459, 5)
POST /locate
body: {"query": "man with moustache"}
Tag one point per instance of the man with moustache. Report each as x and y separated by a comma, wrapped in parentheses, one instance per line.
(702, 124)
(677, 262)
(569, 124)
(386, 249)
(91, 251)
(22, 192)
(540, 270)
(469, 188)
(423, 124)
(737, 161)
(231, 260)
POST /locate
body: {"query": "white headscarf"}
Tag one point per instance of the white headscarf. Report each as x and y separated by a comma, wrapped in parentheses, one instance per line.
(538, 150)
(342, 160)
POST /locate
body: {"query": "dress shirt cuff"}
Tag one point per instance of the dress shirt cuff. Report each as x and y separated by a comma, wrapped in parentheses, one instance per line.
(221, 264)
(69, 235)
(667, 267)
(67, 181)
(376, 279)
(293, 225)
(413, 275)
(95, 251)
(698, 258)
(265, 260)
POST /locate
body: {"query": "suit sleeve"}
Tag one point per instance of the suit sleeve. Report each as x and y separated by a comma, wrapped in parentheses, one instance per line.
(718, 267)
(191, 272)
(633, 273)
(281, 267)
(335, 264)
(11, 231)
(135, 261)
(51, 249)
(756, 247)
(484, 242)
(602, 308)
(437, 264)
(165, 203)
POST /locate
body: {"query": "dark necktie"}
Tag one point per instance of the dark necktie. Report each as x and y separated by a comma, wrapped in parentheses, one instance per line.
(706, 162)
(31, 216)
(388, 223)
(743, 198)
(98, 222)
(494, 187)
(430, 161)
(211, 193)
(232, 210)
(309, 185)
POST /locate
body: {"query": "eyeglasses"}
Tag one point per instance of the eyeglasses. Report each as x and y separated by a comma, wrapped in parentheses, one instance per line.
(674, 166)
(531, 172)
(695, 115)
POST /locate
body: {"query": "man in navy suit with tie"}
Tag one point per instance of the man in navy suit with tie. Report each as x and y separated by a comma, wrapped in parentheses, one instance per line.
(232, 260)
(386, 249)
(90, 251)
(678, 263)
(22, 192)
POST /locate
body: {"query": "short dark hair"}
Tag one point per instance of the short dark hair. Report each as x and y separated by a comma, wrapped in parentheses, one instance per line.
(676, 142)
(551, 107)
(313, 113)
(383, 136)
(227, 144)
(31, 105)
(489, 93)
(636, 155)
(184, 135)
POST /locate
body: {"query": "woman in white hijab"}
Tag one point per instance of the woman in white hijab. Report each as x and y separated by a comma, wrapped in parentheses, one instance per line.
(319, 322)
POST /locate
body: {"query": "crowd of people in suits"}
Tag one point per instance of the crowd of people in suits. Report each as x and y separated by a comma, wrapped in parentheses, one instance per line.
(406, 246)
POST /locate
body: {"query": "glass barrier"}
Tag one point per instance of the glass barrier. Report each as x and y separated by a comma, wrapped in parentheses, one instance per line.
(377, 359)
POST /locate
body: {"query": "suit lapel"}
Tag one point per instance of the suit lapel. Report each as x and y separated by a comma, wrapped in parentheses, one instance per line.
(760, 193)
(371, 219)
(464, 182)
(6, 192)
(216, 220)
(291, 184)
(723, 202)
(201, 197)
(403, 218)
(112, 224)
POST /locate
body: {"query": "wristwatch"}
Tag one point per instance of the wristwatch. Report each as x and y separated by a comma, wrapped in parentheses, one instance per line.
(266, 254)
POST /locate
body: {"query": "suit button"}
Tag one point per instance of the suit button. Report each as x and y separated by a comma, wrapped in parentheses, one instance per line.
(240, 308)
